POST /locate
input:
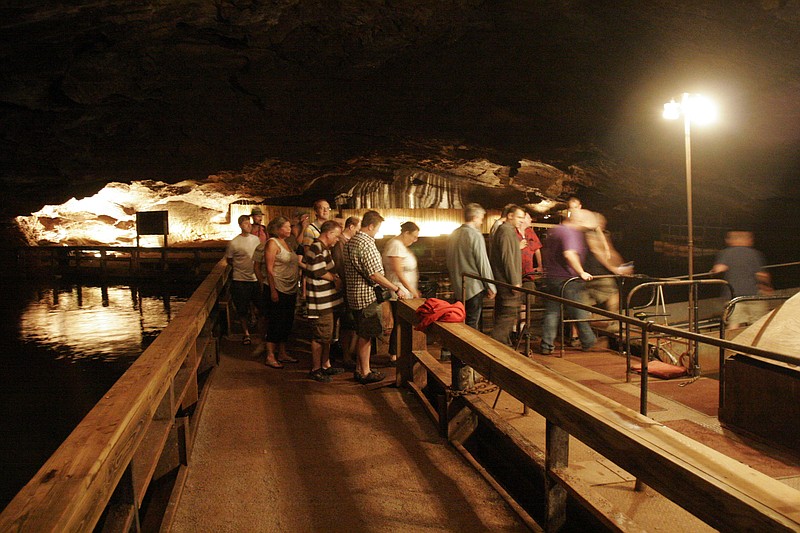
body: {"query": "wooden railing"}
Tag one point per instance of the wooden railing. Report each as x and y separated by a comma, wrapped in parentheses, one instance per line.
(719, 490)
(123, 261)
(139, 434)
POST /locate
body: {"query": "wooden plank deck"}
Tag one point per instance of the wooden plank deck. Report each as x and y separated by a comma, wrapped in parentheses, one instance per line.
(276, 451)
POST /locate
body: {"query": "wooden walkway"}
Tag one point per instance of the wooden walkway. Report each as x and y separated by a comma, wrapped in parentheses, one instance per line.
(276, 451)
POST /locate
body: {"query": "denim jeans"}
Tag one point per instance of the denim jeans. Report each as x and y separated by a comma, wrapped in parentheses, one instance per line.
(551, 320)
(474, 307)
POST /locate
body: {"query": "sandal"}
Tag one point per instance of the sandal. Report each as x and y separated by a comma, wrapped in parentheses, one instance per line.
(372, 377)
(270, 364)
(246, 340)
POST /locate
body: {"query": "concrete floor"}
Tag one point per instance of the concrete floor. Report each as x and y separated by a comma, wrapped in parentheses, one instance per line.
(276, 451)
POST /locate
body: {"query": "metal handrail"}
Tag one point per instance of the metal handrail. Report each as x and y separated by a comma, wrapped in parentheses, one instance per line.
(649, 326)
(779, 265)
(575, 320)
(707, 274)
(692, 284)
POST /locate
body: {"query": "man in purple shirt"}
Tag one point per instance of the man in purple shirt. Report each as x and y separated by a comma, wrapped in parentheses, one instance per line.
(563, 255)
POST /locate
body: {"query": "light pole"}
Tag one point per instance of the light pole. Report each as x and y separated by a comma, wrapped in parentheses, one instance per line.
(698, 109)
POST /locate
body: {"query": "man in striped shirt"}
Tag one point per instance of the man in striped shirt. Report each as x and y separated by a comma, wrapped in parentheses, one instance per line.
(324, 299)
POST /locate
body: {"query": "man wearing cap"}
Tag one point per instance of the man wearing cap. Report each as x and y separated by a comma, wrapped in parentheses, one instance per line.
(258, 228)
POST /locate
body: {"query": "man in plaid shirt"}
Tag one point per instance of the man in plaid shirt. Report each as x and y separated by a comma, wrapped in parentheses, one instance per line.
(364, 271)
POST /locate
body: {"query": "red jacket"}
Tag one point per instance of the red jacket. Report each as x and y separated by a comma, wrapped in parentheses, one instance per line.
(435, 309)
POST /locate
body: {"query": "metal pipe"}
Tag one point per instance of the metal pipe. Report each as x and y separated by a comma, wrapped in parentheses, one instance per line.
(692, 348)
(645, 361)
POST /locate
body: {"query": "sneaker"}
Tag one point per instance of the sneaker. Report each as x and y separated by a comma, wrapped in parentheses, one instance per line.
(546, 351)
(319, 375)
(332, 371)
(373, 377)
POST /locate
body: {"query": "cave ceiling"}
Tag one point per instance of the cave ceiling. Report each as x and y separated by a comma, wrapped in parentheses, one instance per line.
(286, 94)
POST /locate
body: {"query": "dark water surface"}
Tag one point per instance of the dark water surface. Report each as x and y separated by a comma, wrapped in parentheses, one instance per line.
(62, 346)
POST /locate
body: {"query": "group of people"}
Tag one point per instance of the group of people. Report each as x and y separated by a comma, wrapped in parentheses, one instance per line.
(578, 247)
(337, 271)
(343, 279)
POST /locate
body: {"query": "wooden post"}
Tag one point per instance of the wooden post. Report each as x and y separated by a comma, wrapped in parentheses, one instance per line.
(103, 265)
(405, 359)
(408, 340)
(556, 456)
(123, 507)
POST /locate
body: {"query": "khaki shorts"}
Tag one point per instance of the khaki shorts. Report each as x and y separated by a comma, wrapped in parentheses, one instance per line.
(322, 328)
(599, 291)
(747, 312)
(368, 321)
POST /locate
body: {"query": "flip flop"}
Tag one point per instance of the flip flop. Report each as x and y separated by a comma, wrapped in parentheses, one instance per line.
(246, 340)
(273, 365)
(288, 359)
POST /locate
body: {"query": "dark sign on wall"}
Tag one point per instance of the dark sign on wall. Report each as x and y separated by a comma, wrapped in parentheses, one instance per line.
(152, 222)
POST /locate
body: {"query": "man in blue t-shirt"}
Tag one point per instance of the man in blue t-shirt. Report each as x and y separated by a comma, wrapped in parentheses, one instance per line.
(743, 268)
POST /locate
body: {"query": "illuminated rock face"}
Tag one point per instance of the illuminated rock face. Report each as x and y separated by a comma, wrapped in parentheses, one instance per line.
(200, 211)
(196, 212)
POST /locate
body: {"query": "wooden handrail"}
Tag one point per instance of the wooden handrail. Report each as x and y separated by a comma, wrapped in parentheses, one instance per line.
(717, 489)
(71, 491)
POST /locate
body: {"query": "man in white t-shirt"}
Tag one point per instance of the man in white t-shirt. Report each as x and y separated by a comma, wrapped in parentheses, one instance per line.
(244, 284)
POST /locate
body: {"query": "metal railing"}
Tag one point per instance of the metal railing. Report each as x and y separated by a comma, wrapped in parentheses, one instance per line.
(657, 285)
(648, 327)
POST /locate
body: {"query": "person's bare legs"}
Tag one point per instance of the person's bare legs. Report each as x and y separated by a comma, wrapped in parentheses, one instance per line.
(316, 355)
(325, 355)
(363, 349)
(347, 339)
(283, 355)
(245, 329)
(270, 358)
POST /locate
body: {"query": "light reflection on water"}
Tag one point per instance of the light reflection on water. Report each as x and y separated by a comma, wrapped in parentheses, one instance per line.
(96, 323)
(62, 346)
